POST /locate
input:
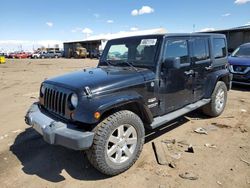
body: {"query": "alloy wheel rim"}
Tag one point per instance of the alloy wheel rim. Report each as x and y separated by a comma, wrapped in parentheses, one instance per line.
(121, 144)
(219, 100)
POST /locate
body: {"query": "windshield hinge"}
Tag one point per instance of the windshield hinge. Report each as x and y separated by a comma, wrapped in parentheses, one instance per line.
(88, 92)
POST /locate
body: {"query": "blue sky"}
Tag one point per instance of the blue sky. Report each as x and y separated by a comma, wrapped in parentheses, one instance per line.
(62, 20)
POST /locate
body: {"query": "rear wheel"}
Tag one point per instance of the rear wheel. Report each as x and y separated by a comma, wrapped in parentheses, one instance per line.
(218, 100)
(118, 143)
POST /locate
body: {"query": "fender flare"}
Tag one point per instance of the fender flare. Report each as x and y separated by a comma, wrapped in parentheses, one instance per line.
(214, 77)
(126, 99)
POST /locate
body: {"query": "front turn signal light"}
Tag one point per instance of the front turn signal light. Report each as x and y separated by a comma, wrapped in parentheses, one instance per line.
(97, 115)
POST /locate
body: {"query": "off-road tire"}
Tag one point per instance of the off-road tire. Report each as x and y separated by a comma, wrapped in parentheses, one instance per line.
(210, 108)
(97, 154)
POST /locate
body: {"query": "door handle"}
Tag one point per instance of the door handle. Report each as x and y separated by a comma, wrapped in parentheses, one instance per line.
(189, 73)
(209, 68)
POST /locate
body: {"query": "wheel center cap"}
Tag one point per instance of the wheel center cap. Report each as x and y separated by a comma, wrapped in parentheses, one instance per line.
(121, 143)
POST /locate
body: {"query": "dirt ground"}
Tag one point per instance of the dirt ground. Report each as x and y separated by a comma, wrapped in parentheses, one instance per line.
(27, 161)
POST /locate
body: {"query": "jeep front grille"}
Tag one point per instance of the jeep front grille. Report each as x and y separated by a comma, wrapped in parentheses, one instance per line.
(55, 101)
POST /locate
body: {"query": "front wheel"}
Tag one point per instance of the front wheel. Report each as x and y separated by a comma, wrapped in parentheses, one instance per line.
(117, 143)
(218, 100)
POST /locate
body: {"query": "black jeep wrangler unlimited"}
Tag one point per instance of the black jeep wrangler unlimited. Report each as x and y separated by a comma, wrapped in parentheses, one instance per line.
(140, 82)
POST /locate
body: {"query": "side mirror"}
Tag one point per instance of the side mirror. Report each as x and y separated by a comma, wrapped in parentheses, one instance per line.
(172, 63)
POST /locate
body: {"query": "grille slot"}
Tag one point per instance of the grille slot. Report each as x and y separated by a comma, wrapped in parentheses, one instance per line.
(55, 101)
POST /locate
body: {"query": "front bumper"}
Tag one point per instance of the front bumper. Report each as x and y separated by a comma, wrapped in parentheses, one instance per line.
(243, 79)
(56, 132)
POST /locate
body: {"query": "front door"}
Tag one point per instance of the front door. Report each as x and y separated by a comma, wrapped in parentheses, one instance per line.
(175, 88)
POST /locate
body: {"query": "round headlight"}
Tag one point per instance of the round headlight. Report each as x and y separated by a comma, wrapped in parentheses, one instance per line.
(74, 100)
(42, 90)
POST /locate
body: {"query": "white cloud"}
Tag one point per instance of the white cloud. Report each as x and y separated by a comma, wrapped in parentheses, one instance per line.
(87, 31)
(226, 15)
(134, 12)
(49, 43)
(247, 24)
(146, 10)
(134, 29)
(50, 24)
(96, 15)
(77, 29)
(110, 21)
(142, 10)
(207, 29)
(127, 33)
(240, 2)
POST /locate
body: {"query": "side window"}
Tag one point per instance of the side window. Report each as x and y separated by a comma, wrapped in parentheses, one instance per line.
(219, 46)
(177, 49)
(200, 49)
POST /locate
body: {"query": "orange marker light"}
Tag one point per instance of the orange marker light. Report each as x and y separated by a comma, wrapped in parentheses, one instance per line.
(97, 115)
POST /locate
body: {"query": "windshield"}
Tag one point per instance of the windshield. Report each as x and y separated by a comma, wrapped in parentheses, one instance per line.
(137, 52)
(243, 51)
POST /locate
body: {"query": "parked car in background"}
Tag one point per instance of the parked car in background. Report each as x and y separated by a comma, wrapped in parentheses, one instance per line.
(4, 54)
(80, 52)
(21, 55)
(2, 58)
(94, 54)
(12, 55)
(239, 62)
(29, 54)
(51, 54)
(37, 54)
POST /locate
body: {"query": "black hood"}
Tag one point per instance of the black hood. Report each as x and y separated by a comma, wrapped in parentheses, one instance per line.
(103, 78)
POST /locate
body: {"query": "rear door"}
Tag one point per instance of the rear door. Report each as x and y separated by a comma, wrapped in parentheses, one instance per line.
(201, 64)
(176, 83)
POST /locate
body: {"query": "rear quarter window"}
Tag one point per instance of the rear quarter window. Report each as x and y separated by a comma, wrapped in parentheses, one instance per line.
(219, 48)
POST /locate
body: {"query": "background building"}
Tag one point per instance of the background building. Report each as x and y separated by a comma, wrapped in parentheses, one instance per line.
(235, 36)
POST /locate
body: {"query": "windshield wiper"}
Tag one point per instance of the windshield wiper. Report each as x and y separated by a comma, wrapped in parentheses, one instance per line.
(131, 65)
(108, 63)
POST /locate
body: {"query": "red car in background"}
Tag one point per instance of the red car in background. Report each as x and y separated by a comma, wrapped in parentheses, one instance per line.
(12, 55)
(22, 55)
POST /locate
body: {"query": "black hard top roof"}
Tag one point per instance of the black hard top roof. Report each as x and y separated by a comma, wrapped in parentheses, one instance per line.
(173, 35)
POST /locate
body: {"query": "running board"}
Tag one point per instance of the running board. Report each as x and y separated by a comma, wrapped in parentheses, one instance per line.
(161, 120)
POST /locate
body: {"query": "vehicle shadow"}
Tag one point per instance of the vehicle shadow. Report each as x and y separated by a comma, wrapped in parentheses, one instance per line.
(152, 134)
(48, 162)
